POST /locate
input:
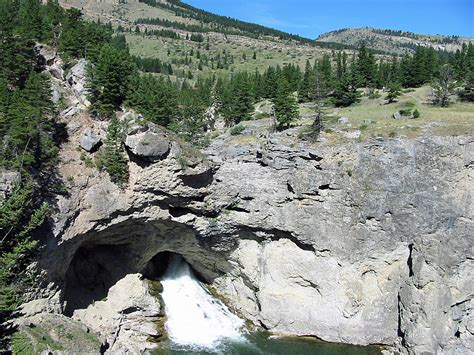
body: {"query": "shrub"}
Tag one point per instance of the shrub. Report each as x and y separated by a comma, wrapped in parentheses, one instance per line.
(236, 130)
(416, 114)
(405, 112)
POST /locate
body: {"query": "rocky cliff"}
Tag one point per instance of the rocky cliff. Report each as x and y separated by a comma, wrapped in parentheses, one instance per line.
(362, 243)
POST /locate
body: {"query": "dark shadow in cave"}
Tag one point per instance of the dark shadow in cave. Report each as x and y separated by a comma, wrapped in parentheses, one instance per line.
(158, 265)
(91, 273)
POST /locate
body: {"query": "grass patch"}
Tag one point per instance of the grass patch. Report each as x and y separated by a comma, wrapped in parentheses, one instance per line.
(261, 115)
(457, 119)
(33, 340)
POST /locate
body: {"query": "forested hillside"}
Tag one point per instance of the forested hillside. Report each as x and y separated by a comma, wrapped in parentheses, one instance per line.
(30, 132)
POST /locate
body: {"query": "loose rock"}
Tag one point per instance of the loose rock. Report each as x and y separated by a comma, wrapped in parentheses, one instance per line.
(90, 140)
(148, 142)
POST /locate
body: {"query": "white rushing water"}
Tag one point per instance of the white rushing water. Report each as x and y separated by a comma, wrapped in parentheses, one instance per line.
(195, 318)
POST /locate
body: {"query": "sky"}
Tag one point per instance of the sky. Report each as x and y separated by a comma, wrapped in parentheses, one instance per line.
(310, 18)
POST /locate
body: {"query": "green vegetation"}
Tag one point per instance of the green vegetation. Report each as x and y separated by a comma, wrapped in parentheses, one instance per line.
(30, 133)
(53, 333)
(109, 80)
(394, 92)
(444, 86)
(454, 120)
(113, 159)
(33, 341)
(236, 130)
(218, 23)
(286, 109)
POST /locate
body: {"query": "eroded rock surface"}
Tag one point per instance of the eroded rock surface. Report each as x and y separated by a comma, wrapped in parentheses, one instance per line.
(363, 243)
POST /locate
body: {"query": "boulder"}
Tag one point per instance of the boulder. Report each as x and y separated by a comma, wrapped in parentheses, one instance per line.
(148, 142)
(397, 115)
(343, 120)
(90, 141)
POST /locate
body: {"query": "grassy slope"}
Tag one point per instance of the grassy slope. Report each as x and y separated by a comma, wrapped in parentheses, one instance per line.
(374, 118)
(270, 52)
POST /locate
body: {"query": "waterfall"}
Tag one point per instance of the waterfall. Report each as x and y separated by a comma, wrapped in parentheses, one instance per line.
(194, 317)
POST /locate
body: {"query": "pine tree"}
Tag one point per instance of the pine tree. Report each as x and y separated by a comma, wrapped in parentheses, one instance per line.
(285, 106)
(467, 78)
(30, 19)
(341, 66)
(237, 99)
(190, 123)
(345, 92)
(30, 116)
(365, 69)
(307, 83)
(113, 159)
(17, 59)
(109, 80)
(8, 17)
(325, 73)
(270, 78)
(154, 98)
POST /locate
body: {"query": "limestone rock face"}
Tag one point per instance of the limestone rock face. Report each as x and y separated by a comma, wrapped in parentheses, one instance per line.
(148, 142)
(7, 180)
(363, 243)
(125, 317)
(76, 79)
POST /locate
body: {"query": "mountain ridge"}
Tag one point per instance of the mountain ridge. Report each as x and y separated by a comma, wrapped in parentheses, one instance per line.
(399, 42)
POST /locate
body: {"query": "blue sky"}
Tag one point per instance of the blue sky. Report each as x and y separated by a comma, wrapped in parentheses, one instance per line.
(310, 18)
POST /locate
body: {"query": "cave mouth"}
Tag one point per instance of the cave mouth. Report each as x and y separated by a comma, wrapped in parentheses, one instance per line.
(93, 270)
(158, 265)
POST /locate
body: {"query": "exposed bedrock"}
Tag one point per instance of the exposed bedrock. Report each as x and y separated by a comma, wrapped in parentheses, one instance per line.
(359, 243)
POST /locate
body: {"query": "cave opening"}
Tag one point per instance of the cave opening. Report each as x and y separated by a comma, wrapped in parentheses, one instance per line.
(158, 265)
(93, 270)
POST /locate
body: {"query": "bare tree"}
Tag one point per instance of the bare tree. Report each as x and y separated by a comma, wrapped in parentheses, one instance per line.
(444, 86)
(320, 95)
